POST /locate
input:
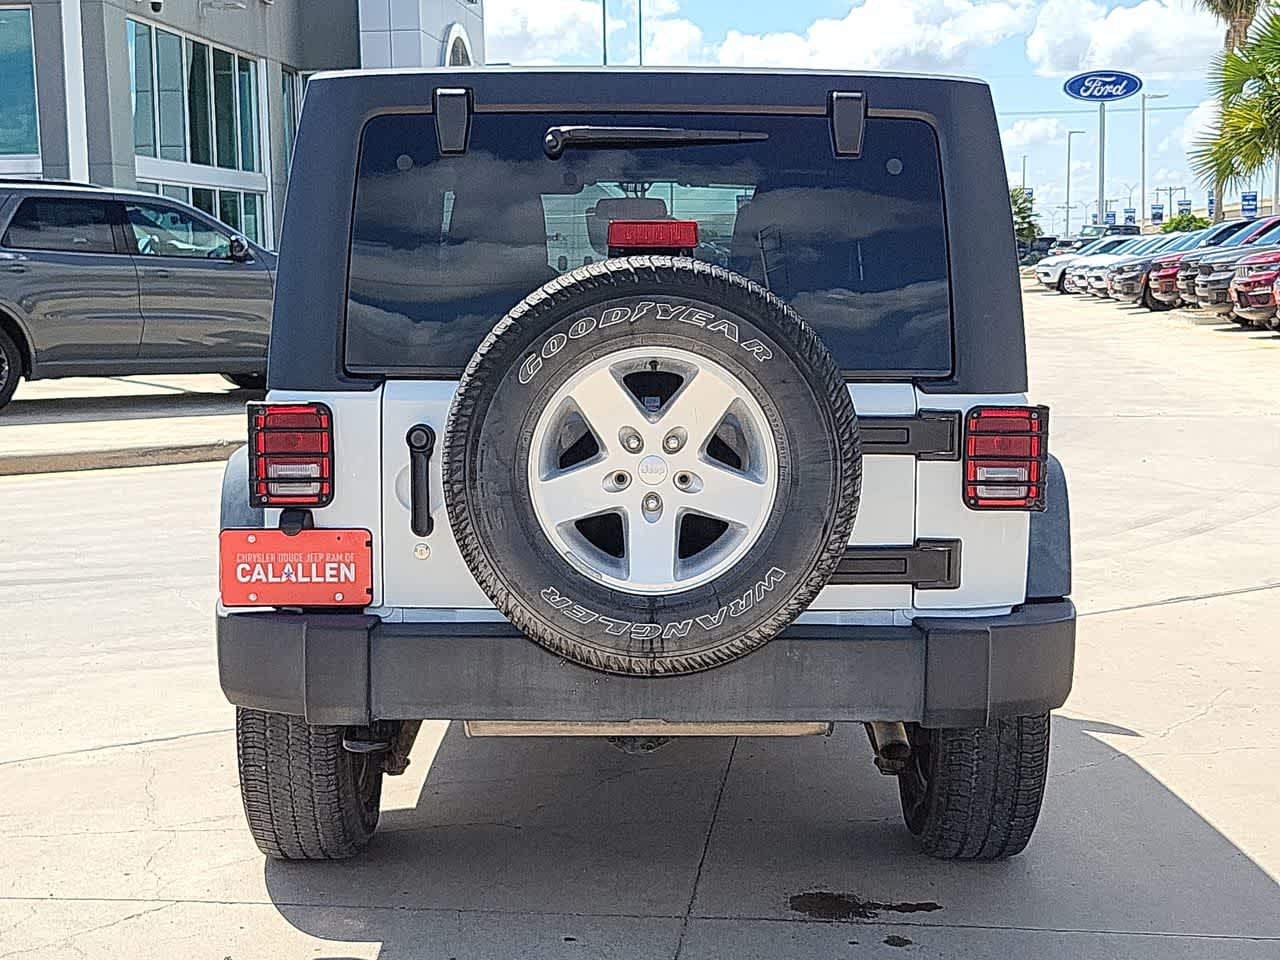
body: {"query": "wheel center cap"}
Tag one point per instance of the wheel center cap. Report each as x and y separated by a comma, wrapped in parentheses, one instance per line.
(652, 470)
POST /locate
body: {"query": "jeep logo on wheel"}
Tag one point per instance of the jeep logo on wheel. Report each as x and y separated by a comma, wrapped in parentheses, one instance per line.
(652, 470)
(618, 317)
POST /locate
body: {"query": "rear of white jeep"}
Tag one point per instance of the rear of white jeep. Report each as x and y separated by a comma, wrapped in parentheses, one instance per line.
(684, 417)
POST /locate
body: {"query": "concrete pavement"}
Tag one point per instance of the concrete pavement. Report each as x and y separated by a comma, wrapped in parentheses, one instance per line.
(94, 423)
(121, 832)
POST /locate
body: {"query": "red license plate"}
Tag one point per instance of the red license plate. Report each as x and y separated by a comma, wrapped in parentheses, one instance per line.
(312, 568)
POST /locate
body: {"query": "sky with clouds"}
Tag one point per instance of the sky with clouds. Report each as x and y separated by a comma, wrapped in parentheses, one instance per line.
(1023, 48)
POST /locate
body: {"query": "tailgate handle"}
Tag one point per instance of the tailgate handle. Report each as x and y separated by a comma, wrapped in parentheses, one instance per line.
(422, 443)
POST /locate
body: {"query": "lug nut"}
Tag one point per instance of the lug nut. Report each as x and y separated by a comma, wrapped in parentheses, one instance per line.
(652, 503)
(632, 442)
(675, 440)
(682, 480)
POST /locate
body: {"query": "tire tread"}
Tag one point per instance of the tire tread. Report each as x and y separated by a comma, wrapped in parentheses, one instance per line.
(985, 789)
(299, 795)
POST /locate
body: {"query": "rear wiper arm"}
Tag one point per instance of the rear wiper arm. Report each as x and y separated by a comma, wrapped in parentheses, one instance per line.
(559, 139)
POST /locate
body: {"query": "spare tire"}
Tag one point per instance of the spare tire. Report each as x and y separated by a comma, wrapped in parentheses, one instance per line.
(651, 465)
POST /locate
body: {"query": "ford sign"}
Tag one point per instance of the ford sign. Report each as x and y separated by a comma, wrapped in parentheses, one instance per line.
(1102, 86)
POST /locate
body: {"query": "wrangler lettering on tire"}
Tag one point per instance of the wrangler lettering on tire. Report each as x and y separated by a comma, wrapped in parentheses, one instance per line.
(651, 465)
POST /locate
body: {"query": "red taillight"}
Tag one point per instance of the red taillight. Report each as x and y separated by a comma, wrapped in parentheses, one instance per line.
(290, 454)
(653, 234)
(1006, 456)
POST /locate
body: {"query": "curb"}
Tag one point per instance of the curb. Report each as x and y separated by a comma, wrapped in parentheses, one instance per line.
(12, 465)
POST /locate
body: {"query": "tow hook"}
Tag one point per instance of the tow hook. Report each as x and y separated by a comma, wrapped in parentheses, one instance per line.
(891, 746)
(394, 745)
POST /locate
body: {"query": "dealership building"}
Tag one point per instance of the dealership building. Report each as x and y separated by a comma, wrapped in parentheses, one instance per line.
(197, 99)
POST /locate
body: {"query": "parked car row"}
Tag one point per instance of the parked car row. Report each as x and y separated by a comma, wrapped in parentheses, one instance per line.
(1231, 268)
(1043, 247)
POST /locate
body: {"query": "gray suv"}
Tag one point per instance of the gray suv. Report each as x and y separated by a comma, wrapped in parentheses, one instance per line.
(102, 282)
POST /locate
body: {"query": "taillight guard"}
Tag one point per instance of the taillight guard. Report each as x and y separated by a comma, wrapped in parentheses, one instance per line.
(290, 455)
(1006, 458)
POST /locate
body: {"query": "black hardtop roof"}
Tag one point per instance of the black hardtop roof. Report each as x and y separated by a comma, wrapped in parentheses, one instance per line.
(591, 88)
(311, 293)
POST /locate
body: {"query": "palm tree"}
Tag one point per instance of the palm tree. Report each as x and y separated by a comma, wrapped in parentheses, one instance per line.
(1025, 228)
(1238, 16)
(1246, 81)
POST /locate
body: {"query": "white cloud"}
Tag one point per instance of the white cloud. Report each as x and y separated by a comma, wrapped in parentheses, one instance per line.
(1197, 125)
(1033, 132)
(545, 31)
(673, 40)
(1154, 38)
(885, 34)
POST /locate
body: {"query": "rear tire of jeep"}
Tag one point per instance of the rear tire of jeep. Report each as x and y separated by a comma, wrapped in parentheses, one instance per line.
(305, 797)
(975, 793)
(651, 466)
(10, 367)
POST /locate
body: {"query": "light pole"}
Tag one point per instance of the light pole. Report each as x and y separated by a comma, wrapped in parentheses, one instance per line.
(1102, 157)
(1024, 171)
(640, 29)
(604, 33)
(1070, 134)
(1142, 151)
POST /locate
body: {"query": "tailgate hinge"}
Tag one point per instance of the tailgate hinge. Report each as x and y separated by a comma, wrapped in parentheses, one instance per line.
(452, 108)
(848, 122)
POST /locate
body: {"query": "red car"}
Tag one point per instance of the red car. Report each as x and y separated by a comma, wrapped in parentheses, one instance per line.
(1253, 288)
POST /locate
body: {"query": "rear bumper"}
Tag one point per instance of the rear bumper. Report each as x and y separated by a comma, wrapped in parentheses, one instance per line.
(941, 672)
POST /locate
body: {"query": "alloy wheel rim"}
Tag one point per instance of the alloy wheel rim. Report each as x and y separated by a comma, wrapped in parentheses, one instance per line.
(653, 470)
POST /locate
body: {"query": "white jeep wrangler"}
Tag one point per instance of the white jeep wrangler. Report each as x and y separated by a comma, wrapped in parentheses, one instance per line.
(645, 405)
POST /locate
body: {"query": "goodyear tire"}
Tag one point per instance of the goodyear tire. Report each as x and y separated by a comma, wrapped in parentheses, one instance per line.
(651, 466)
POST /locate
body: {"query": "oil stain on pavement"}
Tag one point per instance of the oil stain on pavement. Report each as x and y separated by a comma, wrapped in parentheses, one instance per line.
(825, 905)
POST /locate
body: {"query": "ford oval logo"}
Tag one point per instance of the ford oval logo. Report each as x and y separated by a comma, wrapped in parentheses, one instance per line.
(1102, 86)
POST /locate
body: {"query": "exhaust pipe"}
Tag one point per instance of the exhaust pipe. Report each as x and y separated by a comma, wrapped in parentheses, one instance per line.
(891, 746)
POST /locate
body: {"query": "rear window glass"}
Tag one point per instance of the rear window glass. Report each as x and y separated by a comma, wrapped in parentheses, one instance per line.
(73, 226)
(443, 246)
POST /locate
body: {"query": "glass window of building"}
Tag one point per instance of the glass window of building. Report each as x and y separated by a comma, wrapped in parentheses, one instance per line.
(173, 112)
(247, 89)
(198, 104)
(252, 225)
(19, 130)
(199, 108)
(142, 90)
(224, 107)
(229, 208)
(202, 199)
